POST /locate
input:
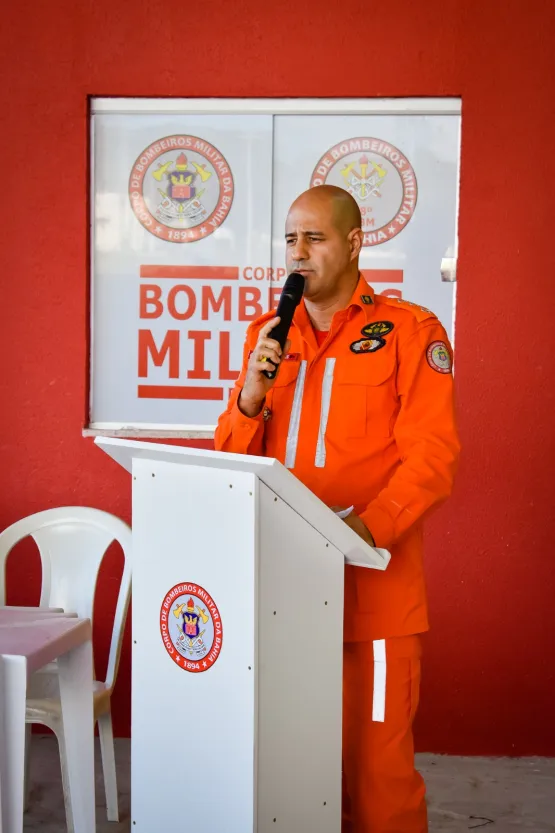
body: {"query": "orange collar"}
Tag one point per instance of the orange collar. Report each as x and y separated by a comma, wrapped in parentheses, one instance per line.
(363, 298)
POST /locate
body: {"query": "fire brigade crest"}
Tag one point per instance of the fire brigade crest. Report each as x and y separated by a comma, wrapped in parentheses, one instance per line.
(380, 178)
(439, 357)
(191, 627)
(181, 189)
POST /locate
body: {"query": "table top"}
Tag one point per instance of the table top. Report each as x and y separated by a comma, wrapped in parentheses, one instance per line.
(40, 636)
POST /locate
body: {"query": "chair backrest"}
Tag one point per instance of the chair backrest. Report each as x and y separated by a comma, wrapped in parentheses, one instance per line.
(72, 541)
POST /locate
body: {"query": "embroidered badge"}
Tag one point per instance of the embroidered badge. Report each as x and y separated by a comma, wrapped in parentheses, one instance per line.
(291, 357)
(439, 357)
(373, 337)
(366, 299)
(367, 345)
(377, 329)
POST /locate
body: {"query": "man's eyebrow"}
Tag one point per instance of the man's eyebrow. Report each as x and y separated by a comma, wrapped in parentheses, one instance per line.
(293, 233)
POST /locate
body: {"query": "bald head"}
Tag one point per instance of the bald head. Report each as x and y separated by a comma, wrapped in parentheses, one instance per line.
(342, 207)
(323, 237)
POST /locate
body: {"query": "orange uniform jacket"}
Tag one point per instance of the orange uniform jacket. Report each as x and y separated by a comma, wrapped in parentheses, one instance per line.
(367, 420)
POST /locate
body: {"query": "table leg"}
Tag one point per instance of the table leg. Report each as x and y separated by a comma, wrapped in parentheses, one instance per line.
(2, 744)
(13, 692)
(75, 670)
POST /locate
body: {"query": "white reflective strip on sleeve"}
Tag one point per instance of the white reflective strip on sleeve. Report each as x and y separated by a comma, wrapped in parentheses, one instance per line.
(320, 459)
(380, 670)
(295, 419)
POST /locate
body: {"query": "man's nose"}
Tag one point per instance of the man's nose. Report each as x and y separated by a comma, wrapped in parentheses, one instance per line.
(299, 250)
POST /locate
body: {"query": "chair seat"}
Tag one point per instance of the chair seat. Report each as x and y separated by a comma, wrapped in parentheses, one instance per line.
(46, 710)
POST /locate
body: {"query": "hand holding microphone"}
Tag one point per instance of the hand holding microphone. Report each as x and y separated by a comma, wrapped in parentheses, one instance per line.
(289, 300)
(272, 341)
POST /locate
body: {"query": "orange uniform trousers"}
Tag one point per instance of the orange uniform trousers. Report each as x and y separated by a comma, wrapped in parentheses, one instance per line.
(382, 791)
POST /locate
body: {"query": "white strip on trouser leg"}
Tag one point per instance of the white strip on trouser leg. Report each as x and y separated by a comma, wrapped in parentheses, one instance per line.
(380, 670)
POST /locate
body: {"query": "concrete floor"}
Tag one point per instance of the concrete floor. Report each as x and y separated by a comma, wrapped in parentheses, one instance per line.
(498, 794)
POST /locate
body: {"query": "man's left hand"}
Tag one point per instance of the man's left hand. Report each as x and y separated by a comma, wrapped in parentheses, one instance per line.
(360, 528)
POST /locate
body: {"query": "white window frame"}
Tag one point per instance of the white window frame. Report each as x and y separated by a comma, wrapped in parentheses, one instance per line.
(246, 106)
(281, 106)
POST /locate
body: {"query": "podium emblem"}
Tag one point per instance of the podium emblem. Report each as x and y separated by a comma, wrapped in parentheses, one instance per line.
(191, 627)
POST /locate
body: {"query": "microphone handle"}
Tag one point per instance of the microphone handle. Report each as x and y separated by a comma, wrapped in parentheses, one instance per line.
(285, 310)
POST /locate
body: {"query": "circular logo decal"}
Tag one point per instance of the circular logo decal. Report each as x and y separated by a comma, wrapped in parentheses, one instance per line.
(191, 627)
(181, 188)
(439, 357)
(379, 177)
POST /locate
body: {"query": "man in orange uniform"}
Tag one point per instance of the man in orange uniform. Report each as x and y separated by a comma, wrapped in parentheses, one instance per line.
(361, 411)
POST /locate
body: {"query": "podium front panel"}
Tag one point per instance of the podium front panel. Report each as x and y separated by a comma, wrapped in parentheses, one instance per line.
(193, 729)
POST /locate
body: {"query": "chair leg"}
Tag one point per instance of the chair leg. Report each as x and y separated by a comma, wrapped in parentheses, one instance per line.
(26, 777)
(108, 765)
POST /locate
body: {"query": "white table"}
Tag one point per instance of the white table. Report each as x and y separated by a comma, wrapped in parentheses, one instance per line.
(29, 639)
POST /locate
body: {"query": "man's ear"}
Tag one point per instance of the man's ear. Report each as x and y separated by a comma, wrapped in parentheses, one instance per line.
(356, 239)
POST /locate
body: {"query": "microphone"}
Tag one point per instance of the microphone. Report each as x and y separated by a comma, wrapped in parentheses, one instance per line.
(289, 300)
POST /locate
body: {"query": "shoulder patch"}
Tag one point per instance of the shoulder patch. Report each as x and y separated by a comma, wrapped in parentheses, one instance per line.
(439, 357)
(419, 312)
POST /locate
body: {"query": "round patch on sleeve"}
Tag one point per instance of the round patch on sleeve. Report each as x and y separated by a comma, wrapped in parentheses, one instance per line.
(439, 357)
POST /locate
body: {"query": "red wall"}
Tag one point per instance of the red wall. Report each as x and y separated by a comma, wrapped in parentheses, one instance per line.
(489, 680)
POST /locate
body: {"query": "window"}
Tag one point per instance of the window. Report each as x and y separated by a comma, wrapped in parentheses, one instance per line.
(189, 199)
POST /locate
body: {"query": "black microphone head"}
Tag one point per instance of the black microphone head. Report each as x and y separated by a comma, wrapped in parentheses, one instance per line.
(294, 286)
(290, 298)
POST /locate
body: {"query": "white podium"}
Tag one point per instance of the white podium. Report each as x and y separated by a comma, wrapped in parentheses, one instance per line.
(237, 643)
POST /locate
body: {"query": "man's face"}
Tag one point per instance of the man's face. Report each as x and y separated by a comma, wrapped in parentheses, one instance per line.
(317, 247)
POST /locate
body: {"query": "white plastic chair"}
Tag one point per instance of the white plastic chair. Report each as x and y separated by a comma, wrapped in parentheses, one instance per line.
(72, 541)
